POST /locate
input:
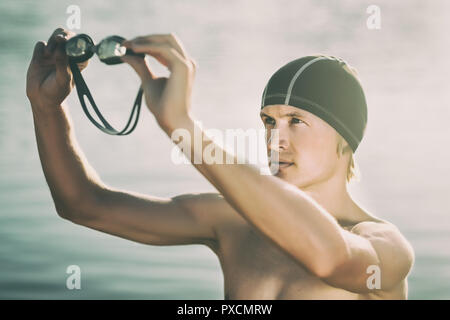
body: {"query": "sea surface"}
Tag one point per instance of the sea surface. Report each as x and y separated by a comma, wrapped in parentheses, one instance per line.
(404, 158)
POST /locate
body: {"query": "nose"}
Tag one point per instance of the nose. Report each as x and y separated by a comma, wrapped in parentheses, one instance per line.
(278, 139)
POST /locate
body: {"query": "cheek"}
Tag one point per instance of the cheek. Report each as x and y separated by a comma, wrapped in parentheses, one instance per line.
(315, 154)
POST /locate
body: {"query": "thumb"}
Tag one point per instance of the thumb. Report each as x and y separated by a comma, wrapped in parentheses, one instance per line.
(140, 66)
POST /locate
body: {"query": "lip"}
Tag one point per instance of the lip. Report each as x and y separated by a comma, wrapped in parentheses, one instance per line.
(284, 165)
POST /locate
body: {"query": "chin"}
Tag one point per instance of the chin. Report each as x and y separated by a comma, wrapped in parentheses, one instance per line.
(291, 178)
(295, 178)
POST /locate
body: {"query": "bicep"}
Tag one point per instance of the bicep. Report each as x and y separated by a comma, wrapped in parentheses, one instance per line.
(375, 249)
(183, 219)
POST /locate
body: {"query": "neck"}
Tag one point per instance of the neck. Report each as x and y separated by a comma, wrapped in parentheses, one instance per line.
(333, 195)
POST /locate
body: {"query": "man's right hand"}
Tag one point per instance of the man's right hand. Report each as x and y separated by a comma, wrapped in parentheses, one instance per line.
(49, 78)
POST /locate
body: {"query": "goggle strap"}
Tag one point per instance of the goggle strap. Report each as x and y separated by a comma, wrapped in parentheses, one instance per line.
(83, 90)
(136, 110)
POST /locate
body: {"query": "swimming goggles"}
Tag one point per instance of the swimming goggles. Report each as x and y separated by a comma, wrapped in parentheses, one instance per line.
(81, 48)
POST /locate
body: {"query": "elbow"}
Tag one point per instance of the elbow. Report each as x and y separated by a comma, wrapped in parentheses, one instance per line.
(63, 210)
(70, 210)
(74, 211)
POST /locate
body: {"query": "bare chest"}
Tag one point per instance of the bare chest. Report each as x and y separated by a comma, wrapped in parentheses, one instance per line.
(256, 268)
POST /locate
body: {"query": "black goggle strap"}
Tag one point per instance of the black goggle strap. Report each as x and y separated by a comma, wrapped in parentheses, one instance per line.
(83, 90)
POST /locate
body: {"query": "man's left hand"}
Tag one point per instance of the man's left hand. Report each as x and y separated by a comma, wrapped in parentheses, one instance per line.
(169, 99)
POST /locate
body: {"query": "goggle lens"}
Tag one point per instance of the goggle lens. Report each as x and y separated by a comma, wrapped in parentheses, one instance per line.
(110, 48)
(79, 48)
(76, 48)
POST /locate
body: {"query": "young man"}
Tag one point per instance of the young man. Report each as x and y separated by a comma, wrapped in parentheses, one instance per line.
(296, 234)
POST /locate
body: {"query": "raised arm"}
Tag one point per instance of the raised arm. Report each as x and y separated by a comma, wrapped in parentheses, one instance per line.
(49, 82)
(78, 193)
(81, 197)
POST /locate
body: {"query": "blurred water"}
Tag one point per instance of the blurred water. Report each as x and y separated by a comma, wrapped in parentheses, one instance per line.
(403, 158)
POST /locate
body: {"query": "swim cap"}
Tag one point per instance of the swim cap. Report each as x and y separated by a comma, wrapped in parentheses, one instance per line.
(327, 87)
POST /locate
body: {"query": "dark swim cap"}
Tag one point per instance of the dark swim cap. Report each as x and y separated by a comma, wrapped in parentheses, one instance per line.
(327, 87)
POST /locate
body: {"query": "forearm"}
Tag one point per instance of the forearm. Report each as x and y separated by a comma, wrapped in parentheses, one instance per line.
(280, 210)
(69, 176)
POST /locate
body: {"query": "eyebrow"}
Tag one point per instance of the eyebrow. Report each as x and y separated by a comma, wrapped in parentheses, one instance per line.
(289, 114)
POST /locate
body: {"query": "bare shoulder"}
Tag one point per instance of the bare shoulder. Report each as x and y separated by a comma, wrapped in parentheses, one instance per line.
(395, 253)
(378, 228)
(210, 208)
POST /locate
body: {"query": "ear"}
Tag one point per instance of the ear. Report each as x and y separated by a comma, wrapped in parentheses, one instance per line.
(342, 146)
(339, 146)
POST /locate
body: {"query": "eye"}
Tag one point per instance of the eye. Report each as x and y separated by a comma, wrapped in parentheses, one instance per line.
(268, 120)
(296, 120)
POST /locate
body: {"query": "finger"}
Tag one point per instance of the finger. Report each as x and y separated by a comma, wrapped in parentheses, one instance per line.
(83, 65)
(165, 54)
(57, 34)
(63, 73)
(51, 43)
(140, 66)
(38, 51)
(170, 39)
(194, 65)
(176, 43)
(67, 34)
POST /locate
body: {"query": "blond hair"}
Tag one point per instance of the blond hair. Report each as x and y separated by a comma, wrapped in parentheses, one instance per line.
(352, 168)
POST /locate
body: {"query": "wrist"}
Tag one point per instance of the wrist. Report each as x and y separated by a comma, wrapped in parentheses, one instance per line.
(47, 114)
(38, 107)
(176, 122)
